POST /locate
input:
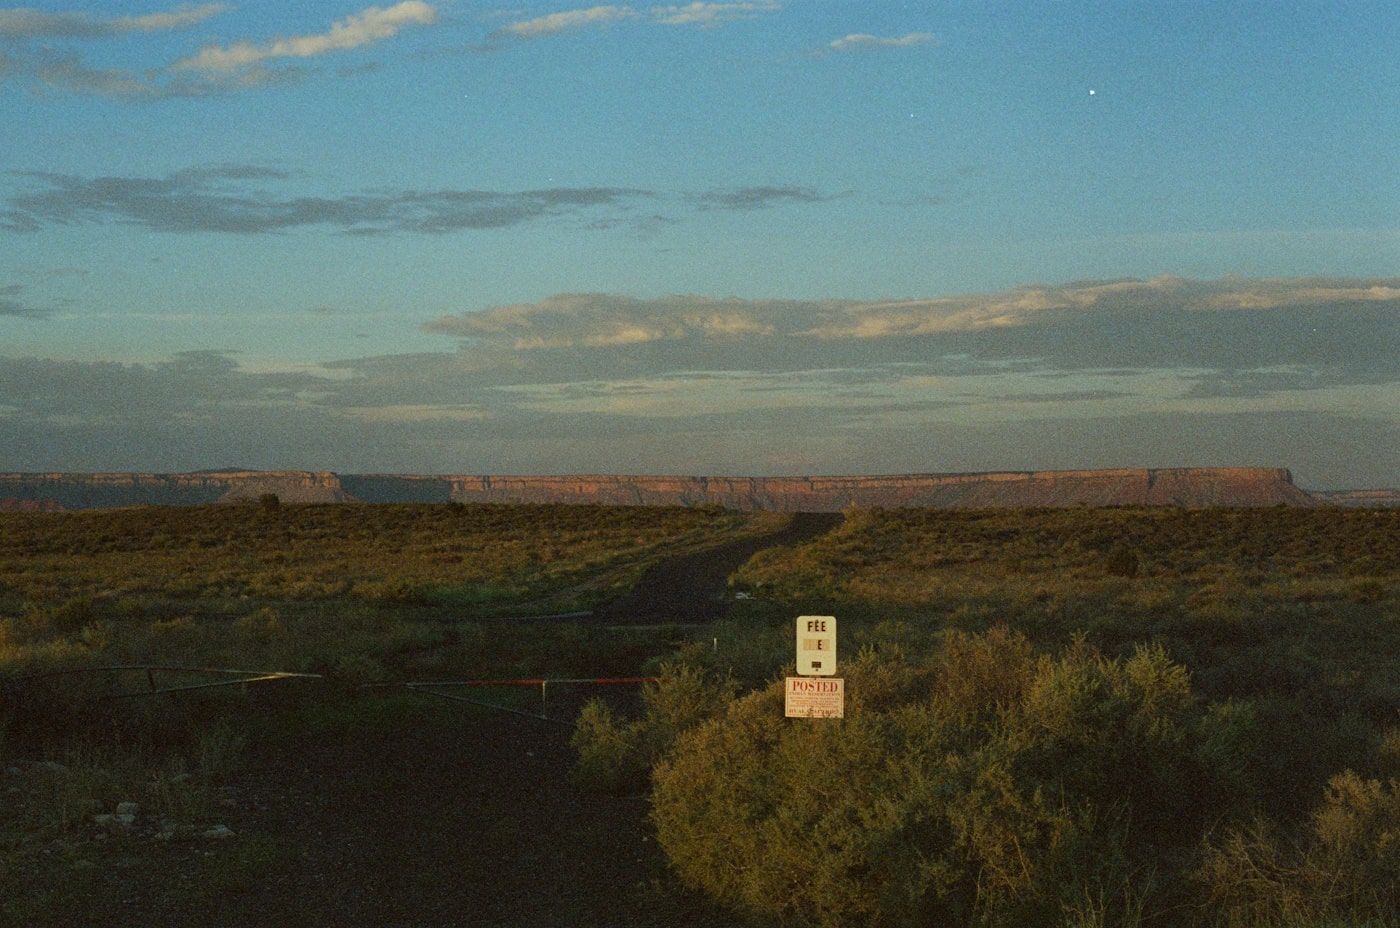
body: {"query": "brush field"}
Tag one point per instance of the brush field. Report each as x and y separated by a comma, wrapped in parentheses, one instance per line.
(1062, 717)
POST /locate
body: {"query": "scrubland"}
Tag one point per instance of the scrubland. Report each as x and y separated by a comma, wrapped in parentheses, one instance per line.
(1081, 717)
(1054, 717)
(353, 593)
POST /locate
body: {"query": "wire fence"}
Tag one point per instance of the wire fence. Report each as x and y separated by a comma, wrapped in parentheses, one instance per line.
(239, 677)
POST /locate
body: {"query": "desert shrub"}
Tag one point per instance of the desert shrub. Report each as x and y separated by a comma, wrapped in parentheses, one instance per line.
(610, 759)
(397, 591)
(979, 674)
(616, 755)
(356, 669)
(1345, 867)
(1122, 561)
(994, 786)
(61, 618)
(261, 625)
(269, 501)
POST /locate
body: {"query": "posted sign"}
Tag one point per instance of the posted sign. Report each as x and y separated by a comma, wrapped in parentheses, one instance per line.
(816, 645)
(823, 698)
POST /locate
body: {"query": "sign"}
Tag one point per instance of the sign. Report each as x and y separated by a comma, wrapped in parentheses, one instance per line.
(816, 645)
(815, 699)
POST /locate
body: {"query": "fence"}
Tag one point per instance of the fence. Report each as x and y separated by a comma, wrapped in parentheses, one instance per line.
(244, 677)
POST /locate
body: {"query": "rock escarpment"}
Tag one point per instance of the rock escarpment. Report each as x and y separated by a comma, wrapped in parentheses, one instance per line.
(1126, 487)
(8, 504)
(1360, 499)
(98, 491)
(1210, 486)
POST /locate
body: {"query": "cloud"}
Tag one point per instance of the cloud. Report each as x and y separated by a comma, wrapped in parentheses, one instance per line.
(1124, 329)
(22, 23)
(430, 414)
(565, 21)
(861, 40)
(373, 24)
(747, 198)
(710, 14)
(1166, 371)
(214, 69)
(592, 320)
(225, 198)
(67, 72)
(691, 14)
(11, 305)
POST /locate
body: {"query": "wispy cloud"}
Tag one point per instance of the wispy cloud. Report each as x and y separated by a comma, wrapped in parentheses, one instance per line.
(565, 21)
(24, 23)
(1226, 324)
(214, 69)
(710, 14)
(12, 305)
(373, 24)
(234, 199)
(861, 40)
(67, 72)
(761, 197)
(1160, 372)
(690, 14)
(242, 199)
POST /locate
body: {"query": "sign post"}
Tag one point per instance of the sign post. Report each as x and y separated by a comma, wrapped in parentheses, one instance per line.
(816, 645)
(817, 693)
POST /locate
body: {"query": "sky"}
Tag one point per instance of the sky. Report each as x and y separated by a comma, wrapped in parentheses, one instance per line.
(762, 237)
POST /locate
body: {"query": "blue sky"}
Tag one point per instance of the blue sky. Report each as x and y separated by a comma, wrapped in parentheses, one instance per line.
(766, 237)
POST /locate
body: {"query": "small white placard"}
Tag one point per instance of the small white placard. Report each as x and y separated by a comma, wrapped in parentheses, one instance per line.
(815, 699)
(816, 645)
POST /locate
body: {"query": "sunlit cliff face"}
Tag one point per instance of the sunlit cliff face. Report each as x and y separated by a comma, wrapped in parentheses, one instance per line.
(1192, 487)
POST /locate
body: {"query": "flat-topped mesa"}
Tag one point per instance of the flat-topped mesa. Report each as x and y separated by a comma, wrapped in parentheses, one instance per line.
(105, 490)
(1189, 486)
(9, 504)
(1223, 486)
(1385, 498)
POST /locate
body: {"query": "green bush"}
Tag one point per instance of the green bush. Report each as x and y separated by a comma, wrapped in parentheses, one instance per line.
(610, 758)
(616, 755)
(995, 786)
(1122, 561)
(1346, 866)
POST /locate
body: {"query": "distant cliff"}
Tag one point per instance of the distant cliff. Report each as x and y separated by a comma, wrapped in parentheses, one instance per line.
(1360, 499)
(29, 505)
(97, 491)
(1202, 486)
(1128, 487)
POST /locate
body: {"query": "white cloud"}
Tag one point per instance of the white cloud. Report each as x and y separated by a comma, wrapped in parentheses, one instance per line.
(26, 23)
(373, 24)
(858, 40)
(176, 19)
(710, 14)
(565, 20)
(690, 14)
(593, 320)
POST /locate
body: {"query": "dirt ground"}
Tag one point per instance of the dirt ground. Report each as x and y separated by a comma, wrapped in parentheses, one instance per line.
(692, 588)
(397, 810)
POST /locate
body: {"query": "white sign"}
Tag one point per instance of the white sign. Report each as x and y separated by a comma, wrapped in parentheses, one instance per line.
(816, 645)
(815, 699)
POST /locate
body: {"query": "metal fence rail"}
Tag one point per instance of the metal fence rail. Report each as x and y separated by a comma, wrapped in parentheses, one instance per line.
(241, 677)
(150, 670)
(434, 688)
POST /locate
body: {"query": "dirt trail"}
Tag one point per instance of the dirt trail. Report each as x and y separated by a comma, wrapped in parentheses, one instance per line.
(692, 588)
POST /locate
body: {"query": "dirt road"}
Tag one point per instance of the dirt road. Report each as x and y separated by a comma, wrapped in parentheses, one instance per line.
(692, 588)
